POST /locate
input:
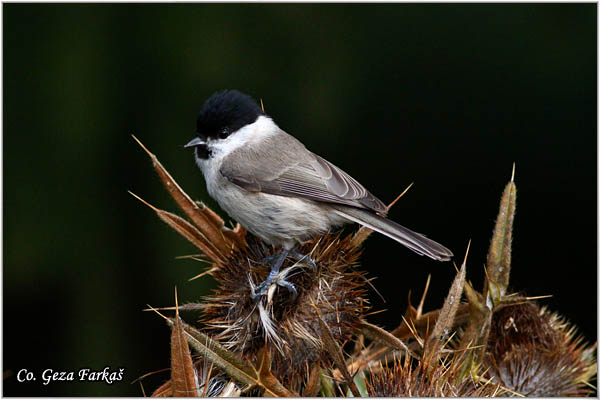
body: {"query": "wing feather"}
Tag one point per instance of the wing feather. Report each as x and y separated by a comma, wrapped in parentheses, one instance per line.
(296, 172)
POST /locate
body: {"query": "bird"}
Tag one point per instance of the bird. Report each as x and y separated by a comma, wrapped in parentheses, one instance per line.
(280, 191)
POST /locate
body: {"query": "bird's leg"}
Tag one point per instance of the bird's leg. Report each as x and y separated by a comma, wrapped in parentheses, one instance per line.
(270, 260)
(277, 260)
(295, 255)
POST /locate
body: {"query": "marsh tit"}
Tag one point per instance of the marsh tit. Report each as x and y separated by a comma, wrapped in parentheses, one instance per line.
(278, 189)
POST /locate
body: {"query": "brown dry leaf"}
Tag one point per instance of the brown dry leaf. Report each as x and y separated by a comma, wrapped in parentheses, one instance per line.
(313, 386)
(192, 234)
(267, 379)
(228, 362)
(164, 390)
(207, 221)
(237, 235)
(385, 338)
(423, 324)
(445, 321)
(183, 375)
(361, 235)
(187, 230)
(222, 358)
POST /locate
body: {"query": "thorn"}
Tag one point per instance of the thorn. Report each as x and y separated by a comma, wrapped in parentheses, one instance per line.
(193, 257)
(262, 106)
(422, 302)
(176, 304)
(512, 177)
(368, 281)
(467, 252)
(455, 267)
(142, 200)
(465, 259)
(546, 296)
(368, 314)
(150, 308)
(413, 330)
(142, 146)
(171, 308)
(208, 271)
(400, 195)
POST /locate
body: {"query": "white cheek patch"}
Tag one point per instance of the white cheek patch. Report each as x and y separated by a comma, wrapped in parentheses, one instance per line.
(263, 127)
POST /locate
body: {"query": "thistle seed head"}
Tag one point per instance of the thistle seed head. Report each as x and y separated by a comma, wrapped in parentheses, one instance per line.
(288, 325)
(537, 353)
(413, 378)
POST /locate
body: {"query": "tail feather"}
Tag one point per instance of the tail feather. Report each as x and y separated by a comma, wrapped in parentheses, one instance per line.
(413, 240)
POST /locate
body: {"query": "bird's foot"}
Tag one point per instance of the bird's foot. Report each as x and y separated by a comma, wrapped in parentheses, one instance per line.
(276, 261)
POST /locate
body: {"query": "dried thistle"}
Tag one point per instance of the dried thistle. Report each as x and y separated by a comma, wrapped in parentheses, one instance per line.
(290, 327)
(537, 353)
(523, 347)
(411, 378)
(438, 372)
(282, 345)
(282, 330)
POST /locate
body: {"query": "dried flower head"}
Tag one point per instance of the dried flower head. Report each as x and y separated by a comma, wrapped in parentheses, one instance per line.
(414, 378)
(537, 353)
(290, 326)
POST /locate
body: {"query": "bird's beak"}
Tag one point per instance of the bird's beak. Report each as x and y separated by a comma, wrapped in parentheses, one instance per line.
(197, 141)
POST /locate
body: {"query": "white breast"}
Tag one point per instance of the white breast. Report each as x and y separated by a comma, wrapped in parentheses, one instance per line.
(277, 220)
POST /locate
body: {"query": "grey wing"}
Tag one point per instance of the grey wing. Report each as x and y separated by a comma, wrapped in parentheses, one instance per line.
(293, 171)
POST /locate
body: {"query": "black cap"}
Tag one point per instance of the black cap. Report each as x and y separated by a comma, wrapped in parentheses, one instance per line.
(225, 112)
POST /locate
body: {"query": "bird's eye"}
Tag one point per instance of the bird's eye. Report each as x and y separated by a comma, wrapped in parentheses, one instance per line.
(224, 133)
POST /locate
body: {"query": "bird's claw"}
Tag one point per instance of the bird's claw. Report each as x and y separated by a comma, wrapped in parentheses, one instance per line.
(263, 288)
(276, 260)
(304, 258)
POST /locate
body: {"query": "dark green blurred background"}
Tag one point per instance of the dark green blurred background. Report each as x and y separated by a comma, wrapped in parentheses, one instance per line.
(447, 96)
